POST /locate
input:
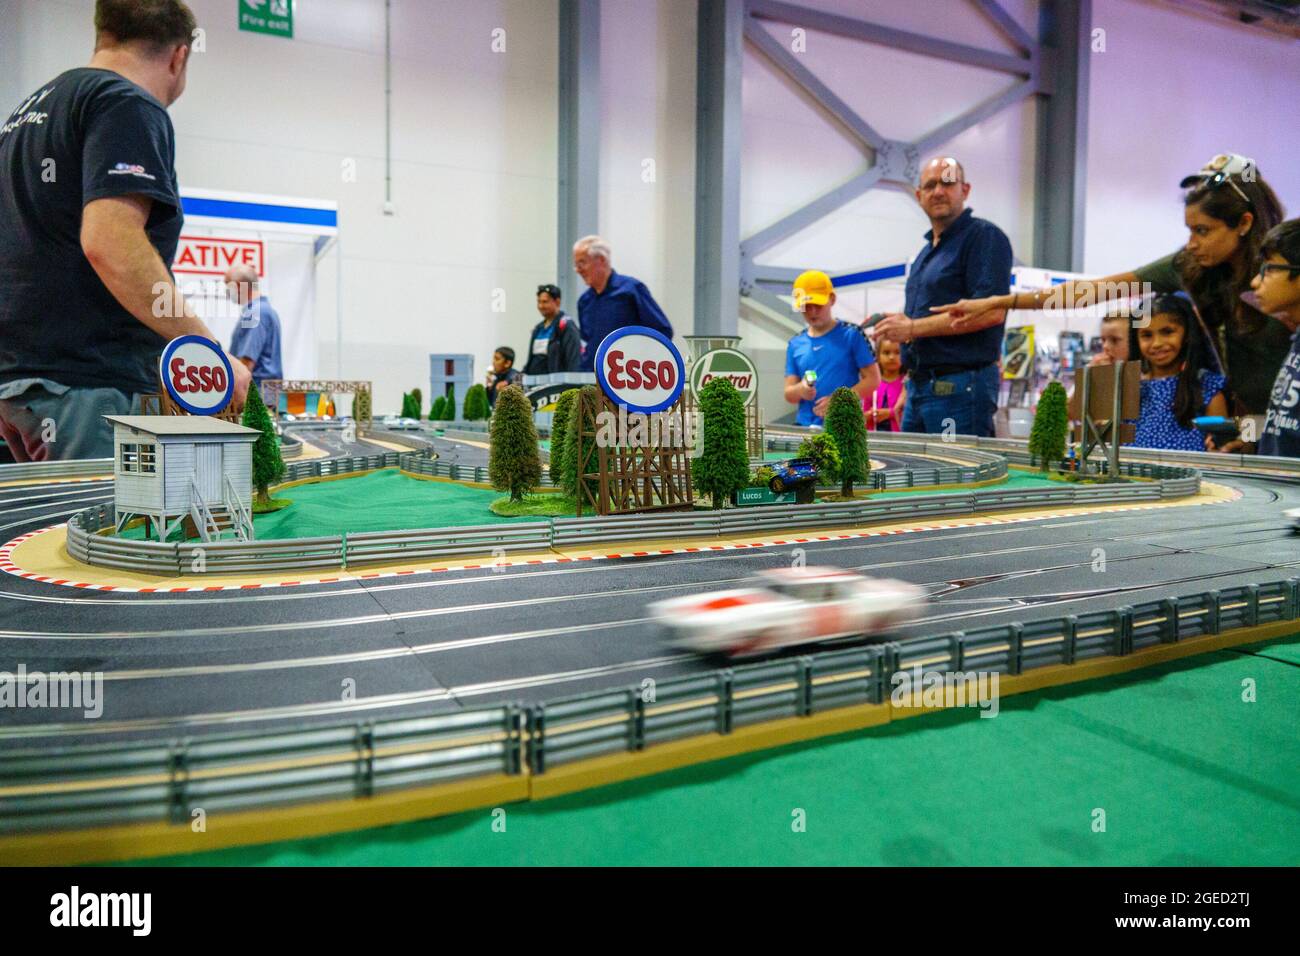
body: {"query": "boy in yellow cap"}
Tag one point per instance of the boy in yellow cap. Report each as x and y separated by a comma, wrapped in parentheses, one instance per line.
(827, 355)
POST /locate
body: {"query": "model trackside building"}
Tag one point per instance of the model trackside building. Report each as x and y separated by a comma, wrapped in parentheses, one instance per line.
(784, 608)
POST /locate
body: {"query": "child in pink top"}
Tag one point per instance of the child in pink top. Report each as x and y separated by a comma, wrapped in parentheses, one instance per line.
(883, 409)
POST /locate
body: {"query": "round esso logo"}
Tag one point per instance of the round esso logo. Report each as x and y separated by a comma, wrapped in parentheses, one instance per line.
(197, 374)
(640, 368)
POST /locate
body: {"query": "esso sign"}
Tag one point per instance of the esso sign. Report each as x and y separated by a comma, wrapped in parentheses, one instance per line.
(197, 375)
(640, 368)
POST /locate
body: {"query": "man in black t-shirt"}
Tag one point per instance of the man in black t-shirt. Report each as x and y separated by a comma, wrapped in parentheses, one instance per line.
(90, 216)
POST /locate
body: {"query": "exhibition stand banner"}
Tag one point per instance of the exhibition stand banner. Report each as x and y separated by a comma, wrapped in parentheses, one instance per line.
(280, 238)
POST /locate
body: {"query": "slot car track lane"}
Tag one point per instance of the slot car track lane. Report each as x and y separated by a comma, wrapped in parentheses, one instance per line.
(202, 663)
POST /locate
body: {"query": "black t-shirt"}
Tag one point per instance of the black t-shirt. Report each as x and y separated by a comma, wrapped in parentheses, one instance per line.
(87, 134)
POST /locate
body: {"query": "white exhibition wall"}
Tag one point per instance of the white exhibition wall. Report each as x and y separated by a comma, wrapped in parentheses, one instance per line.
(474, 174)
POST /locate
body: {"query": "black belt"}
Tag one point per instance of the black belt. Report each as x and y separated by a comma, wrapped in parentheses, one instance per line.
(940, 371)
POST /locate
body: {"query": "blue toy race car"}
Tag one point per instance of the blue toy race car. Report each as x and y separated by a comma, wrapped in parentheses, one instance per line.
(791, 474)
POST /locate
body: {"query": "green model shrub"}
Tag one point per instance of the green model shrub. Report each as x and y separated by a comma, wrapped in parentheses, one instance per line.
(560, 431)
(514, 461)
(476, 404)
(722, 467)
(845, 424)
(1051, 421)
(268, 466)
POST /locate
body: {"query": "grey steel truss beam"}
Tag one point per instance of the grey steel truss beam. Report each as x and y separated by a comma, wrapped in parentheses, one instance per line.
(719, 53)
(579, 136)
(1052, 70)
(888, 36)
(789, 64)
(1059, 182)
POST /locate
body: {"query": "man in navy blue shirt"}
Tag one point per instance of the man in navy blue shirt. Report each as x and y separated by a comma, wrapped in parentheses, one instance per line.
(827, 355)
(256, 340)
(612, 301)
(953, 383)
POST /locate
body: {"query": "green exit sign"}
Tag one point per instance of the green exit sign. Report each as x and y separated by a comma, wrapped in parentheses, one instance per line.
(267, 16)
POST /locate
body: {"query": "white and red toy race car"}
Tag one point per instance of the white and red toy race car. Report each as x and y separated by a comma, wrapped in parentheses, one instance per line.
(786, 607)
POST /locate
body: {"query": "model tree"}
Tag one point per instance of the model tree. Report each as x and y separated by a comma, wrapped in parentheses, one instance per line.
(845, 424)
(1047, 437)
(825, 457)
(514, 462)
(449, 406)
(409, 409)
(268, 466)
(436, 407)
(572, 464)
(560, 431)
(476, 403)
(723, 466)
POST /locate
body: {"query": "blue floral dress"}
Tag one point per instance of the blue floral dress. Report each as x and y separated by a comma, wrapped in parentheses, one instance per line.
(1158, 428)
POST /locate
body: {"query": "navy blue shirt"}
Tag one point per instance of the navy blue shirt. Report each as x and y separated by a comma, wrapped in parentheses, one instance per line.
(625, 301)
(971, 261)
(257, 337)
(837, 357)
(1282, 425)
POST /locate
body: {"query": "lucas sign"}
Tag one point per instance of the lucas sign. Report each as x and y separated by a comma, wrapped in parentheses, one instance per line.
(640, 368)
(734, 366)
(197, 375)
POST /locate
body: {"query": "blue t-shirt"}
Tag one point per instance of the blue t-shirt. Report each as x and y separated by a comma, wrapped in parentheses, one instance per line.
(971, 261)
(257, 337)
(625, 301)
(1281, 434)
(1158, 428)
(837, 357)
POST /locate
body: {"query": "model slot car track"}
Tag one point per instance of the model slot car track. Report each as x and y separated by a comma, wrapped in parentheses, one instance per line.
(194, 664)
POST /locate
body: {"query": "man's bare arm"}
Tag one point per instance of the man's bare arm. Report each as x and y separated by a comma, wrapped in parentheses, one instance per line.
(115, 243)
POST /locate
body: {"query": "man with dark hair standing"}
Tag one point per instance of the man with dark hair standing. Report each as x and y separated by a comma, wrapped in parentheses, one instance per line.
(555, 345)
(953, 384)
(90, 216)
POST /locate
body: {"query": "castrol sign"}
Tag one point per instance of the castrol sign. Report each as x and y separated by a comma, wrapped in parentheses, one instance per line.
(640, 368)
(734, 366)
(197, 374)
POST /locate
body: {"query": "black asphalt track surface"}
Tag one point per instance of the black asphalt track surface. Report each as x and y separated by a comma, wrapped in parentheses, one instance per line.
(202, 663)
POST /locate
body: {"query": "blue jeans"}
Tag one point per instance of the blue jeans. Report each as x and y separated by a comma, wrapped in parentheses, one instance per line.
(967, 410)
(48, 421)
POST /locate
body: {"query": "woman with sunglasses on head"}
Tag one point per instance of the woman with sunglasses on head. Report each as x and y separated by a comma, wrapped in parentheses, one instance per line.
(1227, 209)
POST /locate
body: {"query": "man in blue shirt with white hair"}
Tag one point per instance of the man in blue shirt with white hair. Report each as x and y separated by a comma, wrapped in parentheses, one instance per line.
(612, 301)
(256, 340)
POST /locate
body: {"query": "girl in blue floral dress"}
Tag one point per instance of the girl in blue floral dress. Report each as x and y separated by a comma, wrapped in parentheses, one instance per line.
(1176, 384)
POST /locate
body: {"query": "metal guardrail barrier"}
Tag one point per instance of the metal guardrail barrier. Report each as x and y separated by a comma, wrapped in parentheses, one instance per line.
(107, 784)
(49, 470)
(342, 551)
(150, 782)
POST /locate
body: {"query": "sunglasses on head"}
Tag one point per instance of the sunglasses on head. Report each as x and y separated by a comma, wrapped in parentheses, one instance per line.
(1219, 179)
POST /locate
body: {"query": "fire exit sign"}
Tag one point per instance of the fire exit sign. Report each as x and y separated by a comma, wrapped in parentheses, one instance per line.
(267, 16)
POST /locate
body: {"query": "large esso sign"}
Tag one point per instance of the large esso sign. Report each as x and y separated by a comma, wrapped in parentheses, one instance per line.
(197, 375)
(640, 368)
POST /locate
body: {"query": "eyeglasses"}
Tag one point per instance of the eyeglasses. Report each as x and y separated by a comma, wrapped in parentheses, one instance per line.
(1267, 267)
(1219, 179)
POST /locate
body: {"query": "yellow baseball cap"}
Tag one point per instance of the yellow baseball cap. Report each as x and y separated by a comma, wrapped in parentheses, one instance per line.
(812, 287)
